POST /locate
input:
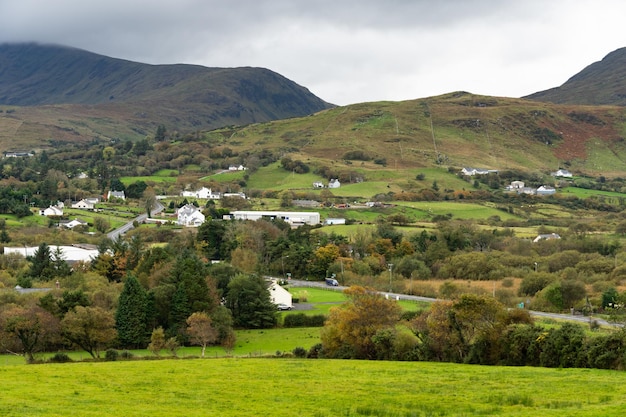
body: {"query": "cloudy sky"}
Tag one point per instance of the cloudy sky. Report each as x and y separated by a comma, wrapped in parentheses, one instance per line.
(344, 51)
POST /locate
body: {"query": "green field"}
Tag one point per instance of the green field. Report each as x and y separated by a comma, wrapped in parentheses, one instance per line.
(305, 387)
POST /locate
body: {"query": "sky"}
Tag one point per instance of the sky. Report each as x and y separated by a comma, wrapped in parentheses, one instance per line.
(343, 51)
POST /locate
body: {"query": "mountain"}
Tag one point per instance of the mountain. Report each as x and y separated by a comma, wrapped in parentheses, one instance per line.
(601, 83)
(181, 97)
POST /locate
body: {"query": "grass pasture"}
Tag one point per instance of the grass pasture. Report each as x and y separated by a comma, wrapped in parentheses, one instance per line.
(298, 387)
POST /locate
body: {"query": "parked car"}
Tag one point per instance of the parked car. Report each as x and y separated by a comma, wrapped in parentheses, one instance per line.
(283, 307)
(332, 282)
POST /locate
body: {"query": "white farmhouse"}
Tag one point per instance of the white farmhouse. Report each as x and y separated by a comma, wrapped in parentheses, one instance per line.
(203, 193)
(190, 215)
(562, 173)
(334, 183)
(279, 295)
(116, 194)
(51, 211)
(546, 190)
(83, 204)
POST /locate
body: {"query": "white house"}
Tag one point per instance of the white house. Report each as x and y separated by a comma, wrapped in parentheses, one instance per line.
(51, 211)
(240, 195)
(237, 168)
(517, 185)
(203, 193)
(116, 194)
(190, 215)
(83, 204)
(278, 294)
(294, 218)
(477, 171)
(73, 223)
(546, 190)
(562, 173)
(548, 236)
(334, 183)
(318, 184)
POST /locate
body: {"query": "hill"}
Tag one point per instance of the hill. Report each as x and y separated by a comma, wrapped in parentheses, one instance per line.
(601, 83)
(61, 85)
(458, 129)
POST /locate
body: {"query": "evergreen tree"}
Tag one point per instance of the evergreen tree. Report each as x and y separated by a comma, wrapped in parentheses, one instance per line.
(131, 316)
(192, 272)
(42, 266)
(179, 312)
(250, 304)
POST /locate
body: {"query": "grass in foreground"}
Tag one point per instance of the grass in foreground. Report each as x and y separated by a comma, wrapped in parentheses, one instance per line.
(295, 387)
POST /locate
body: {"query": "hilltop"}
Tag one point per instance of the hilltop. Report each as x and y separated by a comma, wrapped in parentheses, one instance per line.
(601, 83)
(60, 89)
(457, 129)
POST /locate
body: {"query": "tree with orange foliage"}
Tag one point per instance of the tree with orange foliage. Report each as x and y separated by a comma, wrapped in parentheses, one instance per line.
(350, 328)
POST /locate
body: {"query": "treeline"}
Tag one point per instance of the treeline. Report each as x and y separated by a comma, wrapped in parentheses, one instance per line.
(471, 329)
(129, 297)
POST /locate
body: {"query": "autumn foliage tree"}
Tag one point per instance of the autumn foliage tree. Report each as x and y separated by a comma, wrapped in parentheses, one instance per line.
(27, 330)
(200, 330)
(90, 328)
(350, 328)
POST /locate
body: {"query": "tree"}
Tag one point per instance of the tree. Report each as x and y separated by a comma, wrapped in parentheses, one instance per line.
(31, 328)
(42, 266)
(157, 341)
(350, 329)
(101, 224)
(249, 302)
(200, 330)
(130, 318)
(90, 328)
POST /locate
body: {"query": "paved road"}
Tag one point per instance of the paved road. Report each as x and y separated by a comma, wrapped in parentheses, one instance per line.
(115, 234)
(568, 317)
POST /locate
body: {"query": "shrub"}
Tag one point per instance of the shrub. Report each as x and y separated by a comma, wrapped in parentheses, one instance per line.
(111, 355)
(303, 320)
(299, 352)
(315, 351)
(126, 355)
(60, 357)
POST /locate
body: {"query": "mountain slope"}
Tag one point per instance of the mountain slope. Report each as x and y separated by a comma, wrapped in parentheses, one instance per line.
(182, 96)
(601, 83)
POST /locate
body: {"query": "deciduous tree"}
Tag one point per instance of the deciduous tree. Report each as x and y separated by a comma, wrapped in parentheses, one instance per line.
(90, 328)
(200, 330)
(351, 327)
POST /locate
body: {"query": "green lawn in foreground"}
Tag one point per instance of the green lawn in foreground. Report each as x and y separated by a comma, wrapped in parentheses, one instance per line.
(299, 387)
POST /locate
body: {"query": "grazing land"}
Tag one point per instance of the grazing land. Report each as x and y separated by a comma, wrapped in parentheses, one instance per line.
(299, 387)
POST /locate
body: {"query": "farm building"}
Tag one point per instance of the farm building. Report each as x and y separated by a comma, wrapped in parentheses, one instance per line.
(278, 294)
(203, 193)
(330, 221)
(294, 218)
(51, 211)
(545, 190)
(189, 215)
(562, 173)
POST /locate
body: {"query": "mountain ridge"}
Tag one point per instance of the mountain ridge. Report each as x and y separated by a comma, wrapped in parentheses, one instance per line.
(39, 75)
(600, 83)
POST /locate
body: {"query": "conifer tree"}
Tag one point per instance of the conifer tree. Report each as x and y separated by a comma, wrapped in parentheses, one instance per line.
(131, 316)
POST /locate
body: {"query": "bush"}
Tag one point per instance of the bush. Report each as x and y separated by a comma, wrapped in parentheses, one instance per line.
(299, 352)
(60, 357)
(303, 320)
(126, 355)
(111, 355)
(315, 351)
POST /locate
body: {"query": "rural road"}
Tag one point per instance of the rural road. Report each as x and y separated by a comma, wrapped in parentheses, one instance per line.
(568, 317)
(115, 234)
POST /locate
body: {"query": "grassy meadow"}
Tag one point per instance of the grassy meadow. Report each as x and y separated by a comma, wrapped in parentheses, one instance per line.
(305, 387)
